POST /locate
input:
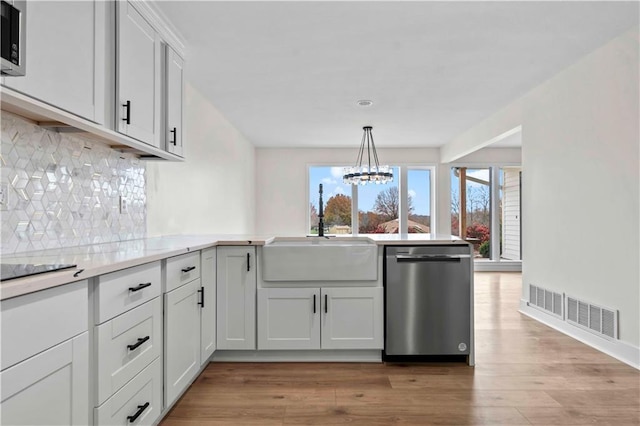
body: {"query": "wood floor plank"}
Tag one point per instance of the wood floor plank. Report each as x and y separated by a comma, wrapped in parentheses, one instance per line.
(445, 397)
(407, 415)
(525, 373)
(617, 416)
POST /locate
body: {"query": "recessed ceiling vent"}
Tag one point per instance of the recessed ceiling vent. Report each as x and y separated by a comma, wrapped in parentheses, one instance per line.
(545, 300)
(596, 319)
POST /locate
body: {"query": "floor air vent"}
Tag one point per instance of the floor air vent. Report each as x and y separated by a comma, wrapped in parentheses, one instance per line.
(598, 320)
(546, 300)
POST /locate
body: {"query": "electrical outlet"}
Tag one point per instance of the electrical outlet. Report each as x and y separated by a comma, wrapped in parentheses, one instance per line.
(4, 196)
(124, 205)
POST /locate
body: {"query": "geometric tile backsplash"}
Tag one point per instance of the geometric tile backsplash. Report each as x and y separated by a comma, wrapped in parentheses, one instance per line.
(64, 190)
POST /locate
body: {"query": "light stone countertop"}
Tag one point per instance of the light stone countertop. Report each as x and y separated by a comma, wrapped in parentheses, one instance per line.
(99, 259)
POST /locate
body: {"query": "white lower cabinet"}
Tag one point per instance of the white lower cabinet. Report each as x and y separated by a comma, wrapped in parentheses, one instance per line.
(236, 283)
(182, 338)
(139, 402)
(126, 345)
(352, 318)
(320, 318)
(208, 305)
(50, 388)
(45, 357)
(289, 318)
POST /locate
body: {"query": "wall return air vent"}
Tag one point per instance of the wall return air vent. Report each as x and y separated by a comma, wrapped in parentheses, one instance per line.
(596, 319)
(546, 300)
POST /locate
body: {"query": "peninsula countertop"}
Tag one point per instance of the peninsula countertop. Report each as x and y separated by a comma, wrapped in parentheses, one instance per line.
(98, 259)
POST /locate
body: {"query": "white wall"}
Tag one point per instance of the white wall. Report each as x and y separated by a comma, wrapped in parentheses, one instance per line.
(282, 202)
(580, 197)
(211, 192)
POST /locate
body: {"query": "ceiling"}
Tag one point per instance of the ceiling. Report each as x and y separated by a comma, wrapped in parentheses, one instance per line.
(288, 74)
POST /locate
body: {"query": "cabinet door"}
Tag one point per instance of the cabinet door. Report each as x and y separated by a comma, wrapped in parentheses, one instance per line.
(352, 318)
(208, 305)
(66, 54)
(138, 76)
(182, 339)
(174, 101)
(236, 298)
(49, 388)
(289, 318)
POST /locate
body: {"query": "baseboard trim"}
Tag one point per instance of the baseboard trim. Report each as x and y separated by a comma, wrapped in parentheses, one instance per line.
(298, 356)
(501, 266)
(618, 349)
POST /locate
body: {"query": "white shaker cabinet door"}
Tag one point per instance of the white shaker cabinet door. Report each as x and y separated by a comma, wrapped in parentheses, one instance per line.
(208, 305)
(50, 388)
(289, 318)
(138, 76)
(352, 318)
(182, 339)
(236, 281)
(66, 56)
(174, 102)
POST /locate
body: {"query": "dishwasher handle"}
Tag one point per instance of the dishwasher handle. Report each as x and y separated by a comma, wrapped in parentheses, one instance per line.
(412, 258)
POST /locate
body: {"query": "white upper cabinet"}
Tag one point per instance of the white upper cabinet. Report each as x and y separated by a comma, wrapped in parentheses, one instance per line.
(66, 56)
(174, 100)
(138, 76)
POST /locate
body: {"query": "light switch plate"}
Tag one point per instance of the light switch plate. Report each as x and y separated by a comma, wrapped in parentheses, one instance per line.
(124, 205)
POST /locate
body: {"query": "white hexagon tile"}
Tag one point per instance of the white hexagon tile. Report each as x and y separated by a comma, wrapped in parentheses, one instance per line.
(64, 190)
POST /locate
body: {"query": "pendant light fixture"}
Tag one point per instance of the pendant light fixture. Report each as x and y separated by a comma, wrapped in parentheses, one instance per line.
(367, 173)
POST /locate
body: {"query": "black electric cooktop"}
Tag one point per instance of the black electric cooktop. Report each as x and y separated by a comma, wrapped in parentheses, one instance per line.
(11, 271)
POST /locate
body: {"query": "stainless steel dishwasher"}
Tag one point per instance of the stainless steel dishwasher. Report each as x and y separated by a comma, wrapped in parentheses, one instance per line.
(429, 301)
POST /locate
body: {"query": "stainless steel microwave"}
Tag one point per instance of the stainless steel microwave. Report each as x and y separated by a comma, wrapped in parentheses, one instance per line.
(14, 37)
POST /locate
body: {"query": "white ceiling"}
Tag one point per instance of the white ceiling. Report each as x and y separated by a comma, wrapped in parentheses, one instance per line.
(288, 74)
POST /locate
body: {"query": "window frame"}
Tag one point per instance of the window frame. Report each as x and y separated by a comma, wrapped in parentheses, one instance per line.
(402, 180)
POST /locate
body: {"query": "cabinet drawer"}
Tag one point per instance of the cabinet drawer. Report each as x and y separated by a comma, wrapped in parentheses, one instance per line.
(143, 395)
(40, 320)
(126, 345)
(120, 291)
(182, 269)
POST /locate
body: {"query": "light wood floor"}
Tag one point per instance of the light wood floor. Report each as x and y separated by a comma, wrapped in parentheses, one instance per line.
(525, 373)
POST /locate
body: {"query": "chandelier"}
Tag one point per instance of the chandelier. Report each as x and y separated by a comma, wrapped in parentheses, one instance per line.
(367, 173)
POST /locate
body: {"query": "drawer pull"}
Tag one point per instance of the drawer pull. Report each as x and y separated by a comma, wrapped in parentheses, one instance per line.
(314, 303)
(140, 341)
(141, 409)
(139, 287)
(174, 140)
(188, 269)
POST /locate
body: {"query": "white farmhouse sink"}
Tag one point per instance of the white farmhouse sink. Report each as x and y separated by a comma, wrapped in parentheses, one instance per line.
(320, 259)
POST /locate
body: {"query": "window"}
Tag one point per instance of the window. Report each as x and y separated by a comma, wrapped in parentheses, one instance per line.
(482, 220)
(471, 207)
(336, 197)
(419, 200)
(378, 207)
(390, 208)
